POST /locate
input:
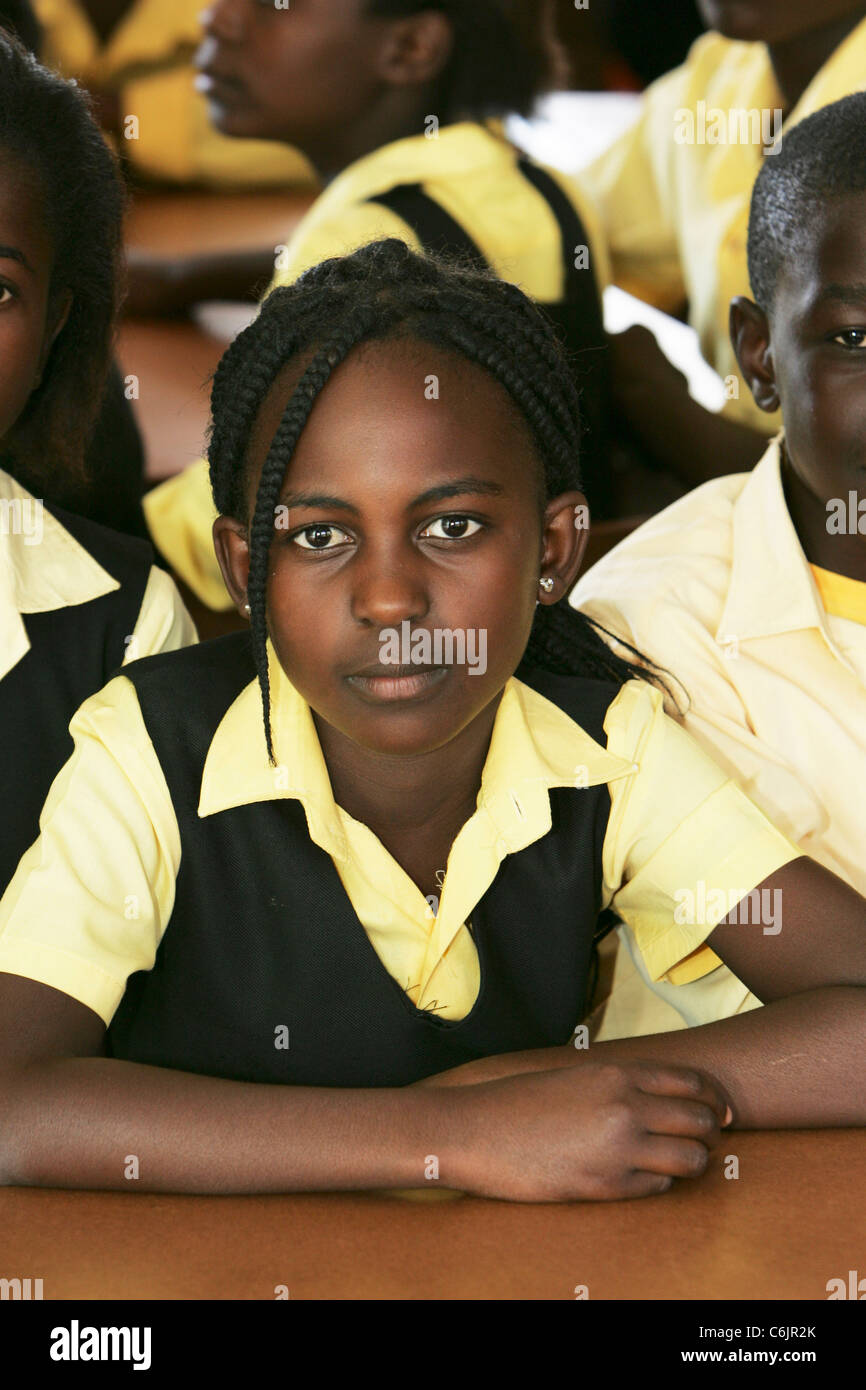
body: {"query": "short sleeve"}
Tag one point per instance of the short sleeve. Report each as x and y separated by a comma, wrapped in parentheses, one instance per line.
(90, 899)
(163, 623)
(683, 845)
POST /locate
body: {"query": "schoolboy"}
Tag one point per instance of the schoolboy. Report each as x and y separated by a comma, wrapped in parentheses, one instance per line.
(752, 589)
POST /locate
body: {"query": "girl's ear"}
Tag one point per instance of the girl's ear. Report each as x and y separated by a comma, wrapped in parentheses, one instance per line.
(750, 336)
(566, 532)
(417, 49)
(233, 553)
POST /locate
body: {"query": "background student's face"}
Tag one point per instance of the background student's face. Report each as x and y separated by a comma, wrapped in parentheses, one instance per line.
(288, 74)
(774, 21)
(26, 262)
(818, 344)
(375, 443)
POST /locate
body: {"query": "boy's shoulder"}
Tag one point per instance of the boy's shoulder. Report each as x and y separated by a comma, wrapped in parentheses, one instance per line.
(690, 534)
(668, 582)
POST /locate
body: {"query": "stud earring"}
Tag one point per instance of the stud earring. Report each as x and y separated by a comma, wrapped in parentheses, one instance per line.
(247, 608)
(546, 585)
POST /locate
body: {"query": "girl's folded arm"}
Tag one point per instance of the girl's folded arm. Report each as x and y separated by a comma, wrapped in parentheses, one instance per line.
(796, 1062)
(72, 1117)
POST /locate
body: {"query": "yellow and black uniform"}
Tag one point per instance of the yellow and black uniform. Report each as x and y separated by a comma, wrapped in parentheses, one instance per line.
(225, 916)
(673, 192)
(76, 602)
(475, 176)
(147, 61)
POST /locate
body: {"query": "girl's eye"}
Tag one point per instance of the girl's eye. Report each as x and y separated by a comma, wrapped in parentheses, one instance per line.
(851, 337)
(454, 528)
(319, 537)
(5, 294)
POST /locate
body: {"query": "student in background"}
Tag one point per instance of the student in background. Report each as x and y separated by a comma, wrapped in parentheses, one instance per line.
(239, 967)
(752, 589)
(397, 103)
(673, 197)
(108, 487)
(76, 600)
(135, 56)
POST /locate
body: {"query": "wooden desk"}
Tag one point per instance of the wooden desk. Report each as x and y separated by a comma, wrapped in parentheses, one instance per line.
(791, 1221)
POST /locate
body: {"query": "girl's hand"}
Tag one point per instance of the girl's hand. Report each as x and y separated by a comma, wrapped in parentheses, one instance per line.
(598, 1131)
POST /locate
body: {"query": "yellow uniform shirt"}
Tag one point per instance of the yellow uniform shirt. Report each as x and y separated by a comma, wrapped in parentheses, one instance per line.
(93, 896)
(770, 660)
(43, 568)
(471, 170)
(675, 211)
(147, 60)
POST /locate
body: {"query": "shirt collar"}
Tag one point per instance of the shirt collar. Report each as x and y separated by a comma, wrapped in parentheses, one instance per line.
(42, 568)
(534, 746)
(771, 589)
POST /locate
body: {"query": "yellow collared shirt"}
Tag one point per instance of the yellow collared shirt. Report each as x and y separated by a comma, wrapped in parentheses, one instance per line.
(770, 656)
(147, 59)
(43, 568)
(92, 898)
(675, 211)
(471, 169)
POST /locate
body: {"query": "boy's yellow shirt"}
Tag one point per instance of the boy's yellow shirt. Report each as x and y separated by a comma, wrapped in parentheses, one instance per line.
(471, 170)
(675, 215)
(769, 655)
(91, 899)
(147, 59)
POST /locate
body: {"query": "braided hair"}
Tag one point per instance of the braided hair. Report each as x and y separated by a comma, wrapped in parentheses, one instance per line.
(386, 291)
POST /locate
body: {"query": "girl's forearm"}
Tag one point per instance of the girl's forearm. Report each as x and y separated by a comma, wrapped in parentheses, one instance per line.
(795, 1063)
(102, 1123)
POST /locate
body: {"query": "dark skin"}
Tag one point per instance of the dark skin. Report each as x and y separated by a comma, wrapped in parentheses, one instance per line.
(620, 1119)
(29, 323)
(425, 754)
(678, 433)
(324, 76)
(809, 359)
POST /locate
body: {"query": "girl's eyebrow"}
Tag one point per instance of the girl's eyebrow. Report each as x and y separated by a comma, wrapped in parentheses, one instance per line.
(458, 488)
(11, 253)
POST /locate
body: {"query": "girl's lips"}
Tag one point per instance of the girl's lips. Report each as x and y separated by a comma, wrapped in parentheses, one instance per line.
(386, 688)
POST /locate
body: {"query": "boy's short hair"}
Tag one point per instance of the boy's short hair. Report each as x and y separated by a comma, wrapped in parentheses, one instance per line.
(505, 54)
(821, 158)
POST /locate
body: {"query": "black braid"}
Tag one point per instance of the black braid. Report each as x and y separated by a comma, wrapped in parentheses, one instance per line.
(385, 290)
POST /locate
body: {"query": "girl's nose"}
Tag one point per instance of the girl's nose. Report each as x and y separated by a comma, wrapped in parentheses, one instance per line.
(385, 595)
(225, 19)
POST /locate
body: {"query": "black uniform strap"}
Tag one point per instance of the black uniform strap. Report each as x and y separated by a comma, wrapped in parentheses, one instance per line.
(580, 288)
(435, 228)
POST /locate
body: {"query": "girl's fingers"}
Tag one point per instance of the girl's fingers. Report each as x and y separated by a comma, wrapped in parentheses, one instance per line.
(641, 1183)
(676, 1158)
(685, 1119)
(684, 1082)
